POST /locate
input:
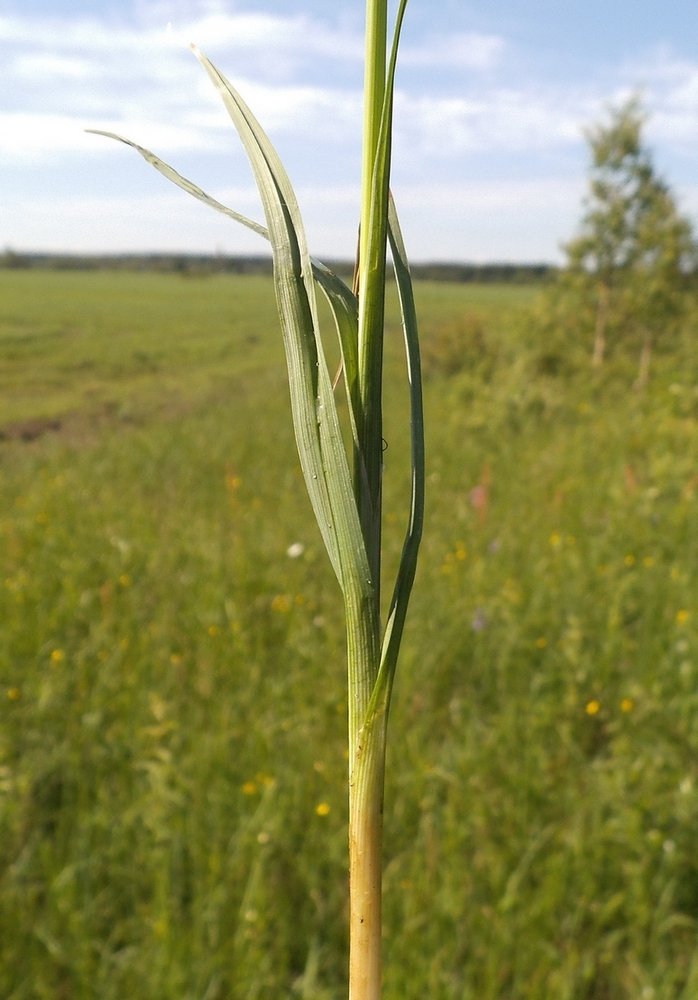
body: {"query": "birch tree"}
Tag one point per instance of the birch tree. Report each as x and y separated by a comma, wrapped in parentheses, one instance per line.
(635, 253)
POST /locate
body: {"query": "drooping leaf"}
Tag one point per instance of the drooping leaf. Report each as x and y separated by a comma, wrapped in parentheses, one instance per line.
(193, 189)
(342, 301)
(316, 422)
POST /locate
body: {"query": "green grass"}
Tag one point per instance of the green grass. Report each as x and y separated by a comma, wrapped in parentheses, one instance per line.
(166, 735)
(89, 342)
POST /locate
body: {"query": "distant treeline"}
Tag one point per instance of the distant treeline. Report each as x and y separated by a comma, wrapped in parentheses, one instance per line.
(518, 274)
(202, 264)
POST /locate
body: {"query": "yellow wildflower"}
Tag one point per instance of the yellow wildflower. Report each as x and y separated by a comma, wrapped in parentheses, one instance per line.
(322, 809)
(57, 655)
(627, 705)
(682, 617)
(592, 707)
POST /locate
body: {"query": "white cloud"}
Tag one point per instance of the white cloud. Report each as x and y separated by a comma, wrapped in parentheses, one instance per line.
(495, 119)
(36, 138)
(546, 192)
(669, 87)
(167, 221)
(124, 73)
(121, 78)
(301, 76)
(467, 50)
(489, 220)
(265, 35)
(309, 112)
(30, 136)
(87, 34)
(44, 66)
(464, 221)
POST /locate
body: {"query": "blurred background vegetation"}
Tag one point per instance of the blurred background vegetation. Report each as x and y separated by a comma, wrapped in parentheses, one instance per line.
(172, 762)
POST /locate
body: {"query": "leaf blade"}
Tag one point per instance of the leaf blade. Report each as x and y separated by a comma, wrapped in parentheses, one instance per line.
(342, 301)
(380, 698)
(316, 421)
(193, 189)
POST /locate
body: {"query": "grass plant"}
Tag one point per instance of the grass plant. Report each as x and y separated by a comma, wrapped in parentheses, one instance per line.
(347, 502)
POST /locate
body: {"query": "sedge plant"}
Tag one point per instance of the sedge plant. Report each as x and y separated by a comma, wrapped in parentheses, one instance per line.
(346, 491)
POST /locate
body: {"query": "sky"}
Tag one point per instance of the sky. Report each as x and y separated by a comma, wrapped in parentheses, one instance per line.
(490, 161)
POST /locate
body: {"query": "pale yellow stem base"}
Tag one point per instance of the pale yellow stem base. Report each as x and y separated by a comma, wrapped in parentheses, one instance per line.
(365, 919)
(365, 867)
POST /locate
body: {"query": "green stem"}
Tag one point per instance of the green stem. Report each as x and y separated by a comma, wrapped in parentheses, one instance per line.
(367, 737)
(374, 93)
(370, 677)
(371, 289)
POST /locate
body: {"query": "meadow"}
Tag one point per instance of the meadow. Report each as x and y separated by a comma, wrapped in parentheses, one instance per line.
(172, 690)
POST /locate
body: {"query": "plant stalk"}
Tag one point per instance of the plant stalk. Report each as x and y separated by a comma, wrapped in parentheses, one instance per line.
(365, 865)
(374, 93)
(371, 292)
(348, 513)
(367, 741)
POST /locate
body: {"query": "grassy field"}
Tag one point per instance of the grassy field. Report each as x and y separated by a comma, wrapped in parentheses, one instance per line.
(173, 715)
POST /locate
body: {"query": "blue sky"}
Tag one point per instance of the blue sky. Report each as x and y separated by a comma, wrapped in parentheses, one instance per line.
(491, 103)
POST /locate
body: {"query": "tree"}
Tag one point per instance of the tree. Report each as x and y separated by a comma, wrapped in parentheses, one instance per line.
(635, 253)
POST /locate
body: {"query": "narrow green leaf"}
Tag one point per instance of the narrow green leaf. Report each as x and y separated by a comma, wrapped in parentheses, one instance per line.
(201, 195)
(342, 301)
(316, 422)
(345, 310)
(194, 190)
(298, 313)
(392, 636)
